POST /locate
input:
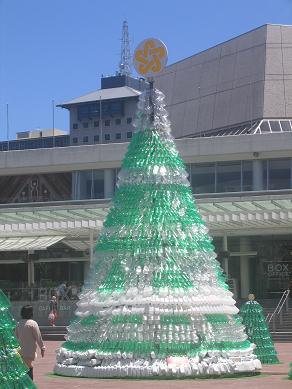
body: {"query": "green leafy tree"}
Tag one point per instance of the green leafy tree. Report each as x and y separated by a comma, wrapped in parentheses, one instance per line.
(156, 301)
(12, 369)
(258, 331)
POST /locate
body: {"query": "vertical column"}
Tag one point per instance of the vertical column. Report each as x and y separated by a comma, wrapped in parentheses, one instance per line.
(75, 185)
(91, 248)
(32, 272)
(86, 269)
(109, 183)
(244, 267)
(257, 175)
(88, 264)
(82, 190)
(28, 273)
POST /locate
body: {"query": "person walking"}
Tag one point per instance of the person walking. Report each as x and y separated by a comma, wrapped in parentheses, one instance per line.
(53, 311)
(28, 333)
(61, 290)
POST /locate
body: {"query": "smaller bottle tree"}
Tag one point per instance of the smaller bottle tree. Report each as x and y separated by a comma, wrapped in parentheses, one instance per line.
(290, 372)
(258, 331)
(12, 368)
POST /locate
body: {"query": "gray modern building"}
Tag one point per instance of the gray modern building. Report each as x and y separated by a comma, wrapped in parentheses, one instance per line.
(230, 108)
(232, 85)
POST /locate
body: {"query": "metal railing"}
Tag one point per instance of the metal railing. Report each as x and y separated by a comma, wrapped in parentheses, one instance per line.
(283, 305)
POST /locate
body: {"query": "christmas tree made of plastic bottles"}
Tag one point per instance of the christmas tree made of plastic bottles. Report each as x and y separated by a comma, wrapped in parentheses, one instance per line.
(258, 331)
(12, 368)
(290, 372)
(156, 302)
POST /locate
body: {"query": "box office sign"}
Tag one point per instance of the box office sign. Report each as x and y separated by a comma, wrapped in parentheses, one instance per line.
(278, 270)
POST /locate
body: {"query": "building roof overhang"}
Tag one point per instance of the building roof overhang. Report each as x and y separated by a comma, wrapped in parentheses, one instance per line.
(228, 214)
(122, 92)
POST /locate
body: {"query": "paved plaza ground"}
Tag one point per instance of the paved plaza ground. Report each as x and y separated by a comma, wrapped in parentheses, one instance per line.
(272, 377)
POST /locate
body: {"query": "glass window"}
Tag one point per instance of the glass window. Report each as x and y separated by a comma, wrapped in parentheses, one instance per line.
(265, 174)
(279, 175)
(74, 140)
(275, 126)
(107, 137)
(90, 184)
(13, 276)
(285, 124)
(92, 110)
(203, 178)
(118, 135)
(218, 243)
(129, 120)
(107, 123)
(96, 138)
(188, 170)
(85, 125)
(75, 126)
(265, 127)
(117, 170)
(118, 122)
(273, 265)
(116, 108)
(98, 184)
(96, 123)
(229, 176)
(85, 139)
(56, 272)
(246, 175)
(129, 134)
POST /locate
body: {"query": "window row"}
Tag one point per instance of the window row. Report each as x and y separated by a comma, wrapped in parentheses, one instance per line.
(217, 177)
(106, 137)
(106, 123)
(101, 109)
(36, 143)
(238, 176)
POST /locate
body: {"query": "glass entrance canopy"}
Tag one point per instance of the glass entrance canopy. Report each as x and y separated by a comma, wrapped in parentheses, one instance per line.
(263, 126)
(233, 214)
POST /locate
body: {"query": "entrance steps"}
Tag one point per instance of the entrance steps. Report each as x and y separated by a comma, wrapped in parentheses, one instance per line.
(282, 330)
(53, 333)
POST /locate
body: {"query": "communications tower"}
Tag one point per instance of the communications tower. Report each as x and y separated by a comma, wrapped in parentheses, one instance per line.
(125, 61)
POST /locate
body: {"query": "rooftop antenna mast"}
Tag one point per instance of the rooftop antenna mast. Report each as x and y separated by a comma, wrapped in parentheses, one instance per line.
(125, 62)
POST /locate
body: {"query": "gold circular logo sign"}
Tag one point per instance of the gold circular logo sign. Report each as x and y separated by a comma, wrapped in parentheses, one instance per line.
(150, 57)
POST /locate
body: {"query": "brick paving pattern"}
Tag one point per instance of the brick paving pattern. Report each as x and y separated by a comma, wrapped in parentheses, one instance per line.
(273, 377)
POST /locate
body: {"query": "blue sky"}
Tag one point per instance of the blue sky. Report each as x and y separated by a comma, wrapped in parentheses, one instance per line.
(57, 49)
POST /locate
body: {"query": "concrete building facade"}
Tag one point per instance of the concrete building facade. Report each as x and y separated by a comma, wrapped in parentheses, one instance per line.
(244, 79)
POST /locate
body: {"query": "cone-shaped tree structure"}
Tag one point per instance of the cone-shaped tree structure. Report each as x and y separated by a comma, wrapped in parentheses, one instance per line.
(156, 302)
(258, 332)
(12, 369)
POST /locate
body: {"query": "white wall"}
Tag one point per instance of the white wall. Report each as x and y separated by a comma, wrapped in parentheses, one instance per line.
(103, 156)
